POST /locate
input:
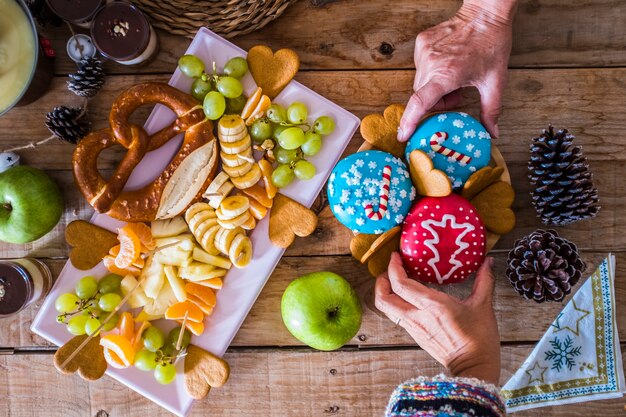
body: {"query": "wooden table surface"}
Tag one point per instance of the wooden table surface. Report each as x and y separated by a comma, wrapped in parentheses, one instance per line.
(568, 67)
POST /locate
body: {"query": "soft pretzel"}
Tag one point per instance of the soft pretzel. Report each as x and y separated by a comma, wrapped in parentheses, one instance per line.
(179, 185)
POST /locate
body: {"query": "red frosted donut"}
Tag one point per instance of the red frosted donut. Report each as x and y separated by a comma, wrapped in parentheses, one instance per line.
(443, 240)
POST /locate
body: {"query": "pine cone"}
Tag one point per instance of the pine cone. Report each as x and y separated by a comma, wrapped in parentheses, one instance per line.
(68, 124)
(544, 267)
(563, 188)
(88, 79)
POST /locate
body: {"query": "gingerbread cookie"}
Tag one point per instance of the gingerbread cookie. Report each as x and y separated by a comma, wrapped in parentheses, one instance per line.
(289, 219)
(428, 181)
(89, 362)
(379, 261)
(203, 370)
(480, 180)
(381, 130)
(272, 71)
(443, 240)
(370, 192)
(90, 243)
(494, 206)
(456, 142)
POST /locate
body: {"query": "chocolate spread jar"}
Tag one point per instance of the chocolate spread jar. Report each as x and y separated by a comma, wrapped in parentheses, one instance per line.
(22, 282)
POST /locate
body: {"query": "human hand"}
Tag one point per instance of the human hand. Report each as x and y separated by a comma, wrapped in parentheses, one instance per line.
(470, 50)
(462, 335)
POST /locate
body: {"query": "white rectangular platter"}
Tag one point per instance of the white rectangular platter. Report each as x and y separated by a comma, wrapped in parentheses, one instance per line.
(241, 286)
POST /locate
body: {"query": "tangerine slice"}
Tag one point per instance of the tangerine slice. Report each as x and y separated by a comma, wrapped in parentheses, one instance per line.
(200, 304)
(130, 248)
(112, 359)
(215, 283)
(144, 233)
(206, 294)
(121, 346)
(177, 312)
(137, 341)
(139, 263)
(195, 328)
(126, 326)
(109, 263)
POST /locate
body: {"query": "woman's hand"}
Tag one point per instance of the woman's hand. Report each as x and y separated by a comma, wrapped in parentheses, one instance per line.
(470, 50)
(460, 334)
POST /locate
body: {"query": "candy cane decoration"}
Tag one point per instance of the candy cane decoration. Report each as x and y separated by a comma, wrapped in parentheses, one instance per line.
(384, 197)
(435, 143)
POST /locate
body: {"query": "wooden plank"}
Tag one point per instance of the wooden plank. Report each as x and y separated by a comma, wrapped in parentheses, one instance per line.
(373, 35)
(263, 382)
(264, 327)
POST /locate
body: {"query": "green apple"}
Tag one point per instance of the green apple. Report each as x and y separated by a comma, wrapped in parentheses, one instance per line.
(30, 204)
(322, 310)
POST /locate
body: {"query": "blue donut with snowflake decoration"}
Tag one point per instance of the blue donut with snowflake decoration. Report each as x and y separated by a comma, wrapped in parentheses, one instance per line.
(458, 144)
(370, 192)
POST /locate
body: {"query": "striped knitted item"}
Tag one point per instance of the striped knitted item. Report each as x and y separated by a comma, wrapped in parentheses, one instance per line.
(445, 397)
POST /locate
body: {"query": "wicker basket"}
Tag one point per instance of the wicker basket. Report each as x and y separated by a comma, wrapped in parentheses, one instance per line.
(228, 18)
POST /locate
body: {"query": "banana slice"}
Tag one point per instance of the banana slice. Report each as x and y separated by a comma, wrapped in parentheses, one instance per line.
(239, 171)
(233, 206)
(240, 252)
(219, 180)
(236, 222)
(252, 103)
(249, 179)
(238, 147)
(237, 159)
(257, 209)
(197, 208)
(224, 238)
(216, 199)
(200, 218)
(250, 224)
(231, 128)
(204, 227)
(207, 240)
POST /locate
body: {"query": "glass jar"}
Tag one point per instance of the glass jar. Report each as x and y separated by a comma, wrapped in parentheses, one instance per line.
(23, 282)
(77, 12)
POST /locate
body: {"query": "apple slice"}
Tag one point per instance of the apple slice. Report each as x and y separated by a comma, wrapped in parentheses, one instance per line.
(177, 284)
(204, 257)
(153, 277)
(138, 297)
(169, 227)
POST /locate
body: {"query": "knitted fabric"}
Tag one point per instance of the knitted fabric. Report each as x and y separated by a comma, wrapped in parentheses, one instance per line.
(442, 396)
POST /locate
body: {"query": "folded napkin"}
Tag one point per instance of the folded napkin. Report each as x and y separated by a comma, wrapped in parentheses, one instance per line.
(579, 357)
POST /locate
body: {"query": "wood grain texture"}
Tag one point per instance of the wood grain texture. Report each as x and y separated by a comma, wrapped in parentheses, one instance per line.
(373, 34)
(272, 383)
(264, 326)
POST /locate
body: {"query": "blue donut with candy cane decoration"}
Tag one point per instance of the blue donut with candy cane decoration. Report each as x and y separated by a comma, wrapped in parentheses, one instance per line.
(370, 192)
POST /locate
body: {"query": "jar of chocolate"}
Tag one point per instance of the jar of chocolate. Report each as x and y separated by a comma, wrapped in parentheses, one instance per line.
(77, 12)
(22, 282)
(121, 32)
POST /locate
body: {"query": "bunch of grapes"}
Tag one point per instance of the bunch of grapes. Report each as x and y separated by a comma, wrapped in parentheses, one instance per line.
(84, 310)
(159, 353)
(294, 140)
(219, 93)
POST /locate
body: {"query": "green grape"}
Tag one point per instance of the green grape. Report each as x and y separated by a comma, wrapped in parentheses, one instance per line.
(191, 66)
(229, 87)
(169, 351)
(172, 337)
(235, 105)
(286, 156)
(236, 67)
(261, 130)
(109, 283)
(297, 113)
(282, 176)
(109, 301)
(313, 143)
(91, 325)
(86, 287)
(60, 319)
(304, 170)
(277, 113)
(145, 360)
(291, 138)
(324, 125)
(214, 105)
(165, 373)
(278, 129)
(153, 339)
(66, 303)
(76, 325)
(110, 325)
(200, 88)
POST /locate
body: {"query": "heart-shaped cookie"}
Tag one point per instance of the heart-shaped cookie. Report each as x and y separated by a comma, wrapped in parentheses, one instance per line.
(480, 180)
(89, 362)
(90, 243)
(494, 207)
(272, 71)
(381, 130)
(203, 370)
(289, 219)
(360, 244)
(428, 181)
(379, 261)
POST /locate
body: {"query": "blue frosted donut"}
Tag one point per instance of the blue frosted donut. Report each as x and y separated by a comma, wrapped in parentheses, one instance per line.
(357, 188)
(463, 145)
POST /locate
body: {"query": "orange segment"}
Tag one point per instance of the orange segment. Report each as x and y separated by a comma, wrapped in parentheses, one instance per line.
(113, 360)
(121, 347)
(206, 294)
(126, 326)
(200, 304)
(139, 262)
(215, 283)
(109, 263)
(137, 342)
(130, 248)
(195, 328)
(177, 312)
(143, 232)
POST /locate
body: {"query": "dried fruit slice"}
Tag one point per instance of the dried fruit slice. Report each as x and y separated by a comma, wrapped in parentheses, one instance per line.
(177, 311)
(121, 346)
(206, 294)
(130, 248)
